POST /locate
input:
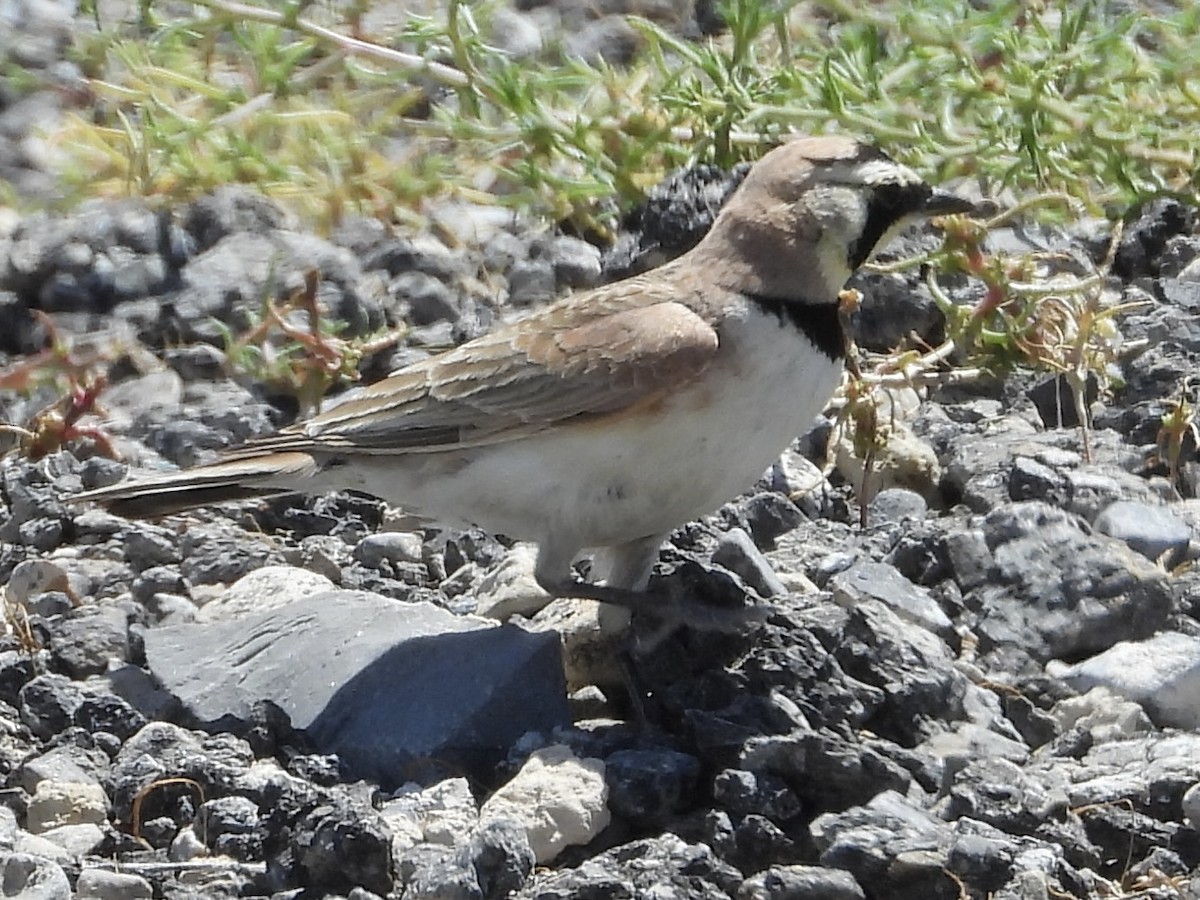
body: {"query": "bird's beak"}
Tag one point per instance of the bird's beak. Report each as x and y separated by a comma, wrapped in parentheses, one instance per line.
(941, 203)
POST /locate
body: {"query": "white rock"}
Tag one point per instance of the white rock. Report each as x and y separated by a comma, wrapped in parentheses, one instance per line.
(471, 223)
(36, 845)
(76, 840)
(9, 831)
(1106, 716)
(100, 884)
(509, 588)
(58, 803)
(442, 814)
(186, 846)
(393, 546)
(1191, 805)
(904, 461)
(559, 799)
(1161, 673)
(266, 588)
(58, 764)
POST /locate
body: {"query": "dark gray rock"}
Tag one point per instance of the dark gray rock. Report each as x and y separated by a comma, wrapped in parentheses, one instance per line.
(1055, 401)
(576, 262)
(419, 684)
(226, 282)
(85, 640)
(398, 254)
(158, 580)
(212, 553)
(888, 838)
(147, 546)
(980, 460)
(742, 792)
(648, 787)
(666, 867)
(48, 704)
(894, 307)
(337, 846)
(1057, 590)
(230, 826)
(17, 668)
(752, 843)
(982, 861)
(801, 883)
(160, 752)
(1035, 726)
(881, 582)
(895, 505)
(1177, 262)
(737, 553)
(768, 514)
(1146, 236)
(36, 514)
(229, 210)
(423, 299)
(677, 213)
(102, 713)
(1029, 479)
(912, 668)
(501, 857)
(1117, 830)
(998, 792)
(531, 282)
(437, 872)
(99, 471)
(196, 362)
(827, 770)
(610, 40)
(1170, 330)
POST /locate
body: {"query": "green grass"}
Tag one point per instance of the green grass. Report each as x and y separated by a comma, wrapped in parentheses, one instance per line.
(1069, 97)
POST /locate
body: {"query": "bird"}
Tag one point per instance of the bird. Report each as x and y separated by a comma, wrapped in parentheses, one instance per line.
(605, 420)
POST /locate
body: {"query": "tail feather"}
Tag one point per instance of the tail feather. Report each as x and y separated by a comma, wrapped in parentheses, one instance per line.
(223, 482)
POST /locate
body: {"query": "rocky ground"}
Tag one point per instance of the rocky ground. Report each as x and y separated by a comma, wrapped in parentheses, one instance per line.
(990, 690)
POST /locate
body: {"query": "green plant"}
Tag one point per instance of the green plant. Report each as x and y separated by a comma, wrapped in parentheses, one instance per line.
(303, 363)
(79, 374)
(1077, 98)
(1179, 428)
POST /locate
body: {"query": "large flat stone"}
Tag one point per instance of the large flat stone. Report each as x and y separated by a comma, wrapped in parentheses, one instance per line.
(385, 685)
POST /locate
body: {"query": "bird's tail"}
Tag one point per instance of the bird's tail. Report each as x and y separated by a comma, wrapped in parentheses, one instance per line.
(244, 478)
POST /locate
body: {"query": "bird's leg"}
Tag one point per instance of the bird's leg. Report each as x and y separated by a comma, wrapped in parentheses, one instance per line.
(628, 566)
(626, 571)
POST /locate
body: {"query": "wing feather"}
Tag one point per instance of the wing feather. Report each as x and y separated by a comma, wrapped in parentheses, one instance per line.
(568, 363)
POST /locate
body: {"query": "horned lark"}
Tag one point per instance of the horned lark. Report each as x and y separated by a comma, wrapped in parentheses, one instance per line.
(610, 418)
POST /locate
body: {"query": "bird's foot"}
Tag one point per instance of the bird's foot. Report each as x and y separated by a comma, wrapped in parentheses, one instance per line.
(672, 609)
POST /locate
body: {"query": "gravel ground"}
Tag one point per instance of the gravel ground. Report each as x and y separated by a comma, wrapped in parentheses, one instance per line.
(991, 690)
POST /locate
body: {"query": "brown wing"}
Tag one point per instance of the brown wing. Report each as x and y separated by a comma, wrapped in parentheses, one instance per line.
(566, 364)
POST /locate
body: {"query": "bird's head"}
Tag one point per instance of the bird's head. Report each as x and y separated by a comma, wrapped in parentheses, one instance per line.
(812, 211)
